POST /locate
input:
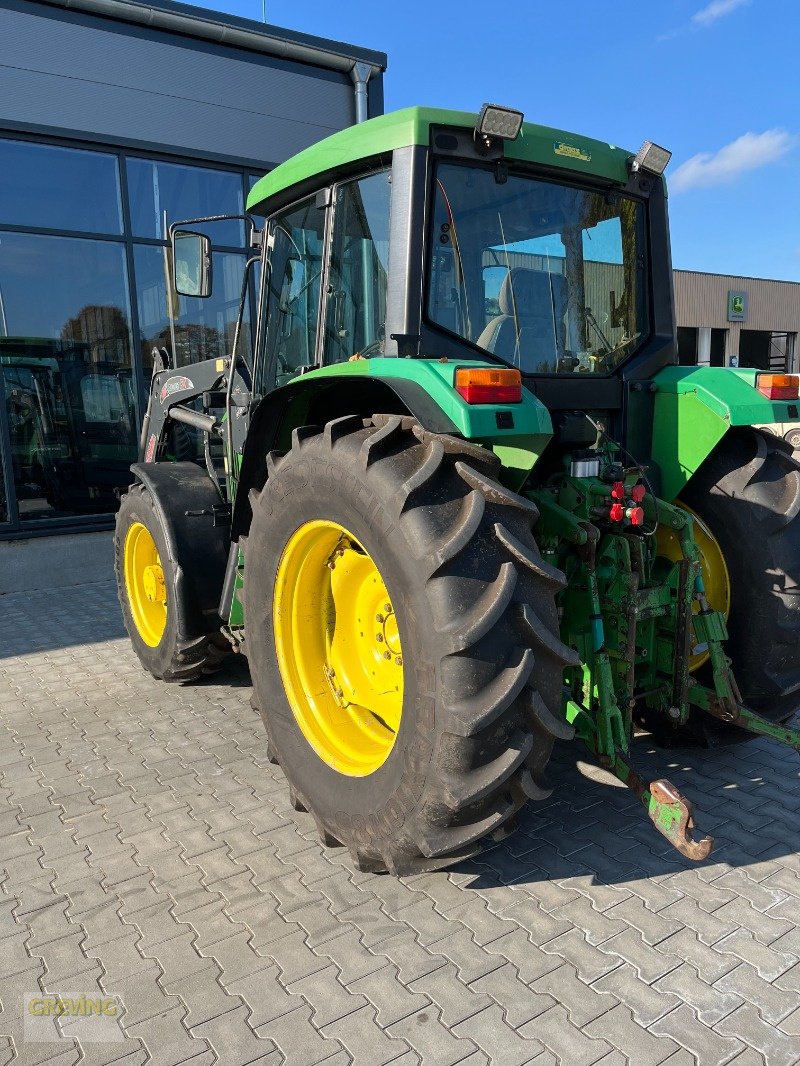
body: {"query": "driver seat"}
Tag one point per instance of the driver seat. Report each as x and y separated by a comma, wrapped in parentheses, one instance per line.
(530, 329)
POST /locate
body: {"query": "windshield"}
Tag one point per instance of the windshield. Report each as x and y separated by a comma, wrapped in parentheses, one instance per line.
(549, 278)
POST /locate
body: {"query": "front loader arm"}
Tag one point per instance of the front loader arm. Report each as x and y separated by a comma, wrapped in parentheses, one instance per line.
(172, 396)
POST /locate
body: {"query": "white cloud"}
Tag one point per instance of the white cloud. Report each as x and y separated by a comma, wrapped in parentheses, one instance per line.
(748, 152)
(706, 16)
(717, 9)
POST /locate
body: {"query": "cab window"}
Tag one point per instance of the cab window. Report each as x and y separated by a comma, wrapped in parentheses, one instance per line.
(356, 304)
(293, 293)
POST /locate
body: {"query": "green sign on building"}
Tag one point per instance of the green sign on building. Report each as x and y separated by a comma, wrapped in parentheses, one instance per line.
(737, 306)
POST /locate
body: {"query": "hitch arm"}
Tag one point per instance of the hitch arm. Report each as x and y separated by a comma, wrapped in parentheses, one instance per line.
(730, 710)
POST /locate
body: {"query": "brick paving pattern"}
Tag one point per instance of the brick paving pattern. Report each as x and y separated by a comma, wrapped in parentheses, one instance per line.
(150, 855)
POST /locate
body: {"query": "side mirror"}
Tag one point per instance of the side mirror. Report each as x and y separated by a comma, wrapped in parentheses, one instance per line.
(191, 263)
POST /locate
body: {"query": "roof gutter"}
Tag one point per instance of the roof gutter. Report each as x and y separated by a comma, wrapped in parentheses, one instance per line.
(236, 33)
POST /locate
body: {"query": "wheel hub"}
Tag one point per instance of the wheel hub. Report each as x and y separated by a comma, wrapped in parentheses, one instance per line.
(338, 646)
(145, 588)
(153, 583)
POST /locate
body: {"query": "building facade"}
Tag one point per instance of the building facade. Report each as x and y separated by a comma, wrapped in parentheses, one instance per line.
(115, 119)
(724, 320)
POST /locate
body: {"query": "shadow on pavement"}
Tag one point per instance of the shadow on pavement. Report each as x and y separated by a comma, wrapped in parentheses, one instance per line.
(746, 795)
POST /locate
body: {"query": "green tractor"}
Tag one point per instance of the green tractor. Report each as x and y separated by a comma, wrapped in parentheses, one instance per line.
(459, 501)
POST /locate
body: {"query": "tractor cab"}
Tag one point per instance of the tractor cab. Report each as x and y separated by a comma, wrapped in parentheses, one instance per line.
(443, 235)
(436, 235)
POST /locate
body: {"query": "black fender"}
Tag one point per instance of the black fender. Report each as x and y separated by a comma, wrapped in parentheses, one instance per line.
(314, 402)
(197, 526)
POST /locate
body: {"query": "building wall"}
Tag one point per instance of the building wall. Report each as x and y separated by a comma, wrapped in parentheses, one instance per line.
(773, 308)
(702, 300)
(107, 79)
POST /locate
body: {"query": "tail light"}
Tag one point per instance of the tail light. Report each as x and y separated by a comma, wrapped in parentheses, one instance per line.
(779, 386)
(487, 385)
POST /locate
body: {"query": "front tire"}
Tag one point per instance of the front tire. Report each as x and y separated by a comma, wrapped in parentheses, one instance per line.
(148, 592)
(475, 615)
(748, 493)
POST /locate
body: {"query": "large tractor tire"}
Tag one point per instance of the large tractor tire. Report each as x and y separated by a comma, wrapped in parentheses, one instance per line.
(403, 641)
(748, 495)
(153, 596)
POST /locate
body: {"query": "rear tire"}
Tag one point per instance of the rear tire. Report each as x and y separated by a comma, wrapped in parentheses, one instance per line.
(171, 658)
(748, 493)
(475, 607)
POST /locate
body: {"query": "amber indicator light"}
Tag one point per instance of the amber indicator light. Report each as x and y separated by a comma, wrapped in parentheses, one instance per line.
(487, 385)
(779, 386)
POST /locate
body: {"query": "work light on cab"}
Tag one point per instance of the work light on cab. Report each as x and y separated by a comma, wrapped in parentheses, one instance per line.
(487, 385)
(496, 121)
(652, 158)
(779, 386)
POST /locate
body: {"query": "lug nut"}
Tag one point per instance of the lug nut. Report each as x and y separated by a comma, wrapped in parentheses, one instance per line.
(387, 607)
(387, 655)
(398, 661)
(379, 637)
(379, 618)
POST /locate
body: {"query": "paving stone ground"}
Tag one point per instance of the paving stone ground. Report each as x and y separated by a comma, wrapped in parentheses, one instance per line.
(152, 864)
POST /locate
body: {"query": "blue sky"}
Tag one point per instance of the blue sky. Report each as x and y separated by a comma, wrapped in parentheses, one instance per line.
(716, 81)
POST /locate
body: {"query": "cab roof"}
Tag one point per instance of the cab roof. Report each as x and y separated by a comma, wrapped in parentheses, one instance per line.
(380, 136)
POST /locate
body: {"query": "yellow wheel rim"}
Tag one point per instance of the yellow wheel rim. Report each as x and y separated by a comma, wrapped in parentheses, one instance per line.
(338, 648)
(712, 563)
(144, 584)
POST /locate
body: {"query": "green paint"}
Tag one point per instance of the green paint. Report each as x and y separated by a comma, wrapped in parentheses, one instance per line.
(694, 409)
(379, 137)
(518, 448)
(236, 617)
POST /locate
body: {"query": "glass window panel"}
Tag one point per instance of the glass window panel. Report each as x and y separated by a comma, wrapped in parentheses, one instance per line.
(184, 192)
(293, 294)
(562, 269)
(204, 328)
(43, 185)
(65, 368)
(358, 269)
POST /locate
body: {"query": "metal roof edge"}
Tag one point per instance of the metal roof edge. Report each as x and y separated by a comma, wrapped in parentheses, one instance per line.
(737, 277)
(230, 30)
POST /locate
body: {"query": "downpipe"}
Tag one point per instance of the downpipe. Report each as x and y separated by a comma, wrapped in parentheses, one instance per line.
(361, 73)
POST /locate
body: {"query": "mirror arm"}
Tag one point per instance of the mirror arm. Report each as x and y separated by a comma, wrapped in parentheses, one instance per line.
(214, 218)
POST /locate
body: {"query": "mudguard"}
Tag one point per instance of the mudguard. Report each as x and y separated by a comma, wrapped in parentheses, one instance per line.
(696, 406)
(197, 526)
(422, 388)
